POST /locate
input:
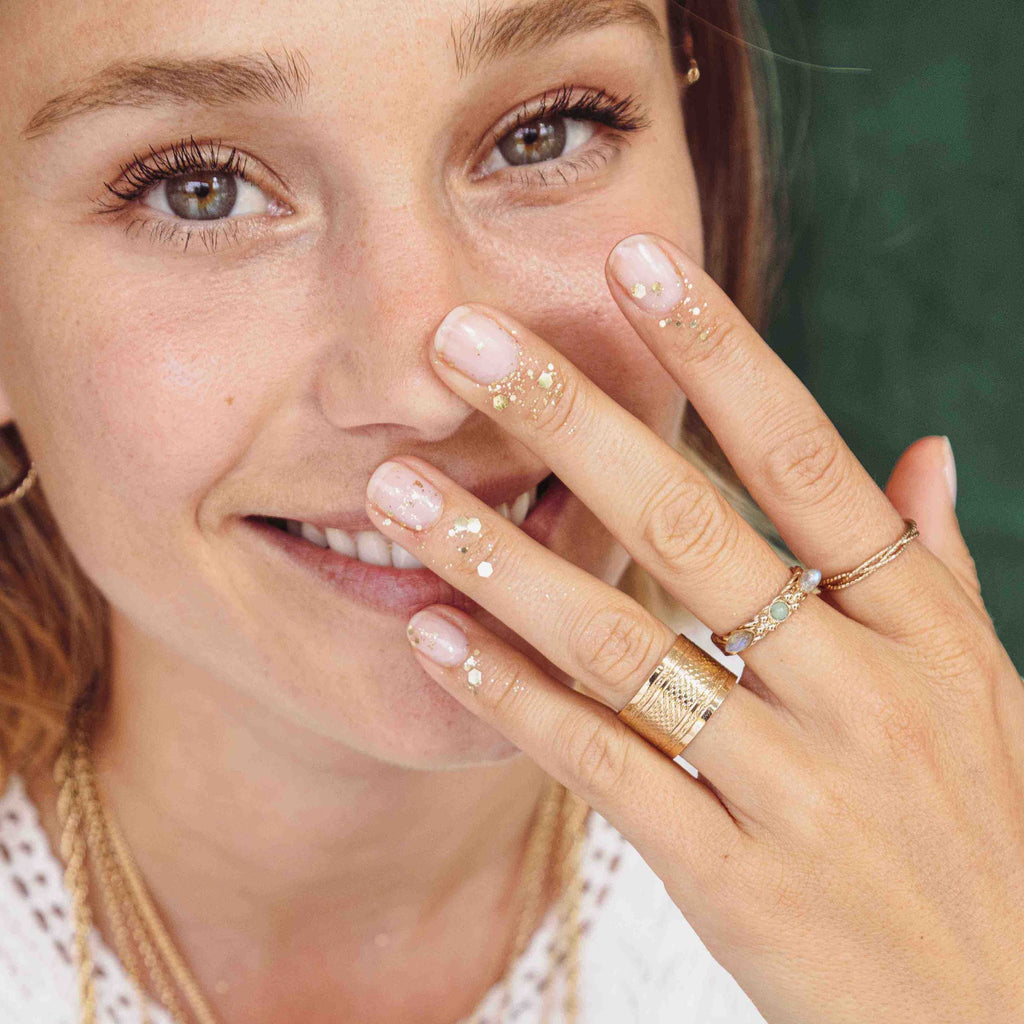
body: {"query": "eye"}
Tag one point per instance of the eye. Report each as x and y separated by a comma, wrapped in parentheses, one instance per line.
(541, 139)
(190, 186)
(561, 130)
(206, 195)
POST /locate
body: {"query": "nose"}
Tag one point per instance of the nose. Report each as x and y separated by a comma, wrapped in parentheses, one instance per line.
(391, 280)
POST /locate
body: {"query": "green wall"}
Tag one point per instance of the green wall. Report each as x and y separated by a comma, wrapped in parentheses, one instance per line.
(902, 302)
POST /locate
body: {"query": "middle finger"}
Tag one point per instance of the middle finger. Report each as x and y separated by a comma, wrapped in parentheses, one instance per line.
(662, 509)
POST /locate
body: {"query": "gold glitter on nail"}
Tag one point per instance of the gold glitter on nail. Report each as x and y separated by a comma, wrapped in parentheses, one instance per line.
(638, 291)
(485, 569)
(545, 380)
(656, 287)
(500, 401)
(474, 678)
(704, 335)
(387, 522)
(462, 550)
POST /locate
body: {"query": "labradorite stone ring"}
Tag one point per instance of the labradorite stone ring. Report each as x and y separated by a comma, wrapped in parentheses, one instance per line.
(802, 583)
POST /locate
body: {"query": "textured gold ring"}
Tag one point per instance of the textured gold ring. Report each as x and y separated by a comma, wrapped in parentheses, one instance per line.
(802, 583)
(682, 692)
(841, 580)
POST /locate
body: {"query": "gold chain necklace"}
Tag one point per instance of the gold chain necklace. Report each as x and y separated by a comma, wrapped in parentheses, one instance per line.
(89, 834)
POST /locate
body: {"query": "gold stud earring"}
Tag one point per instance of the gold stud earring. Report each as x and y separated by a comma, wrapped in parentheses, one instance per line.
(693, 70)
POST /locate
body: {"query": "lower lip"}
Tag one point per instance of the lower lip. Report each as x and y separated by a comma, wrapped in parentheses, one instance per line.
(385, 588)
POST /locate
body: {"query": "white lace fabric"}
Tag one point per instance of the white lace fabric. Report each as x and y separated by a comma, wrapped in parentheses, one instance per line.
(639, 959)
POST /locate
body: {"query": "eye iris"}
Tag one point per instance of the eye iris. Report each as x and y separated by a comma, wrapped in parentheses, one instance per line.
(534, 142)
(202, 195)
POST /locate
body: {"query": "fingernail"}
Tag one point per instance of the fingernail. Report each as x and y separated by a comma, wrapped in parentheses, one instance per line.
(476, 345)
(400, 492)
(950, 468)
(644, 269)
(437, 638)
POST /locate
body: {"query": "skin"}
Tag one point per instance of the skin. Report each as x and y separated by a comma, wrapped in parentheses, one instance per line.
(854, 847)
(835, 770)
(162, 393)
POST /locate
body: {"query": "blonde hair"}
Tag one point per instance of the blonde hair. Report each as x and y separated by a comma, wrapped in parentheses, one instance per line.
(54, 622)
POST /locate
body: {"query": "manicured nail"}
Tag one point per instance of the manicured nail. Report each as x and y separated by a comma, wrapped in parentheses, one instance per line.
(400, 492)
(644, 269)
(950, 468)
(476, 345)
(437, 638)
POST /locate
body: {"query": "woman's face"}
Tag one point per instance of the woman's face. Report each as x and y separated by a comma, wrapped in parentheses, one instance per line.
(234, 343)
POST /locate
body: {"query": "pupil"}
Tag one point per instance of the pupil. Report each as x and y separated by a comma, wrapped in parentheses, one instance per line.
(202, 195)
(534, 142)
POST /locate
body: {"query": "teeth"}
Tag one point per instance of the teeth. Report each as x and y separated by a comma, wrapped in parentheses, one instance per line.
(522, 505)
(341, 541)
(403, 559)
(317, 536)
(375, 549)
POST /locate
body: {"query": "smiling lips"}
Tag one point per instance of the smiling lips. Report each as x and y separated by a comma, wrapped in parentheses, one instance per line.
(373, 548)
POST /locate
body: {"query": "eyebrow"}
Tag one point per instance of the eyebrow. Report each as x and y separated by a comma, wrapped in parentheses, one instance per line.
(481, 38)
(209, 81)
(489, 35)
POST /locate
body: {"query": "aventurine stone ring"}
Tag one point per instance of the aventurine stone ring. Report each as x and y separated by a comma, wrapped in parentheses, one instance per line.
(802, 583)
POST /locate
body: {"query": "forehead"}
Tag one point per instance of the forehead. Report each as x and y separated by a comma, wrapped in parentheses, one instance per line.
(100, 53)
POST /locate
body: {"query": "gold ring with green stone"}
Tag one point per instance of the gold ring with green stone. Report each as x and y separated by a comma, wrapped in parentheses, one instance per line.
(802, 583)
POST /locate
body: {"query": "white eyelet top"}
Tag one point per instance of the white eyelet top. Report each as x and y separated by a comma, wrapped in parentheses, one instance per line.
(640, 961)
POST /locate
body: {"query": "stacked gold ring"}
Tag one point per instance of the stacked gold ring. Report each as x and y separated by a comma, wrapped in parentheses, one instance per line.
(682, 692)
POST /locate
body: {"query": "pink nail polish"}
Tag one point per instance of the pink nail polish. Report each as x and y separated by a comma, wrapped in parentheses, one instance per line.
(437, 638)
(400, 492)
(476, 345)
(643, 268)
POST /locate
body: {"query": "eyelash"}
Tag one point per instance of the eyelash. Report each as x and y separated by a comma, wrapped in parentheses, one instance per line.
(620, 116)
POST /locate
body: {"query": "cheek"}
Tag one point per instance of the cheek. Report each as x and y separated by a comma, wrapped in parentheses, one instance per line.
(137, 409)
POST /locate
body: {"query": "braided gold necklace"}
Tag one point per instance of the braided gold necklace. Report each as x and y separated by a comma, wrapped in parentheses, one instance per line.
(142, 941)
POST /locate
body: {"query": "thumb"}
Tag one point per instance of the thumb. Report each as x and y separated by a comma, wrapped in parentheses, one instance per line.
(923, 488)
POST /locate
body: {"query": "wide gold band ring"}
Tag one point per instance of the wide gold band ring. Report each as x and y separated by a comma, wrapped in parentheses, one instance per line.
(682, 692)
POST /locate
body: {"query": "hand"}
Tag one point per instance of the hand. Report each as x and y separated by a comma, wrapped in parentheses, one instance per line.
(854, 847)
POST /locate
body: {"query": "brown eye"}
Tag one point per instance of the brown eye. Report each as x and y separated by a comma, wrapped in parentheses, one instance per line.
(201, 195)
(534, 141)
(551, 137)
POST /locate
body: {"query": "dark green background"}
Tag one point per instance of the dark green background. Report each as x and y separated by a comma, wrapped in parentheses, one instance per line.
(901, 306)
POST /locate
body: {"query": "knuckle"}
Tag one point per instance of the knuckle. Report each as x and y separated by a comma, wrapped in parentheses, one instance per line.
(807, 464)
(562, 411)
(492, 546)
(827, 809)
(720, 340)
(596, 749)
(687, 523)
(612, 644)
(899, 729)
(504, 691)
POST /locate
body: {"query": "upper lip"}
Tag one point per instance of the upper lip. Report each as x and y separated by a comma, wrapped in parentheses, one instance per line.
(491, 492)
